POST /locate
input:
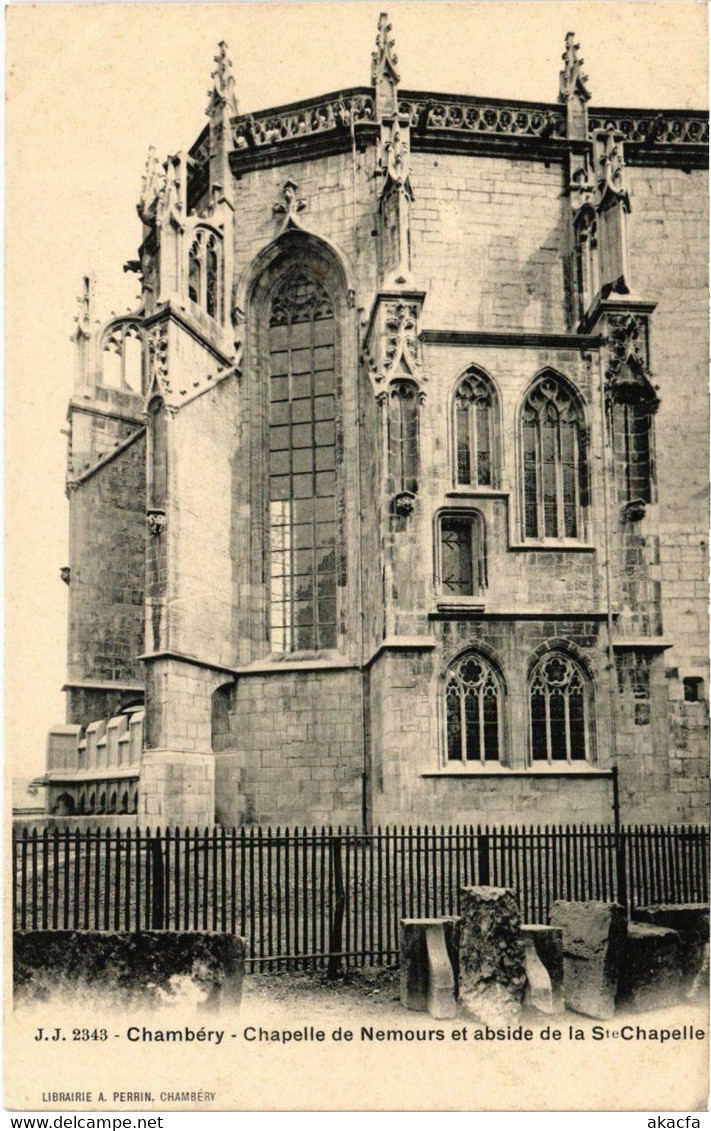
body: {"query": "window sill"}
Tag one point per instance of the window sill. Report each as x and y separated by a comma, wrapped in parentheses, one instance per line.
(455, 604)
(494, 771)
(555, 546)
(477, 493)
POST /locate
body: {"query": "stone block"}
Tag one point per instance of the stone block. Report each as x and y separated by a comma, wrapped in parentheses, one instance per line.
(651, 974)
(548, 943)
(429, 965)
(690, 921)
(492, 973)
(122, 966)
(538, 993)
(594, 936)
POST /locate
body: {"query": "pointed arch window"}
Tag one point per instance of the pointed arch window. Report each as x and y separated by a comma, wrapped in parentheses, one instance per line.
(474, 431)
(403, 437)
(632, 429)
(559, 702)
(473, 711)
(554, 473)
(302, 466)
(205, 273)
(587, 276)
(158, 454)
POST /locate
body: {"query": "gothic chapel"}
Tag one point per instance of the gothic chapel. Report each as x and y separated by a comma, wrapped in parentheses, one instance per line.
(389, 502)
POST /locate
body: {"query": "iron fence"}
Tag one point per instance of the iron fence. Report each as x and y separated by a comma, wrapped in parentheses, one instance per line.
(325, 897)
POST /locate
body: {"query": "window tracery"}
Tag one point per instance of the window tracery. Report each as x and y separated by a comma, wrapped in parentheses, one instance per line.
(559, 710)
(302, 466)
(473, 707)
(553, 465)
(474, 437)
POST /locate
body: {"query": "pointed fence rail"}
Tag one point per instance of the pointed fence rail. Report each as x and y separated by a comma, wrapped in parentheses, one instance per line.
(326, 898)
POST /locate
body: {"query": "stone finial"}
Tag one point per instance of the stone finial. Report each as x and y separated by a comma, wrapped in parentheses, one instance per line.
(222, 94)
(152, 183)
(384, 76)
(85, 317)
(572, 80)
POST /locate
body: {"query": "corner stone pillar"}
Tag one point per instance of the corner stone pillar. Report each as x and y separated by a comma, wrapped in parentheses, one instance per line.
(177, 782)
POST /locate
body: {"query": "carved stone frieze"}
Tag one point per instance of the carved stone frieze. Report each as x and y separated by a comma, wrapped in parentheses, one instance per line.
(290, 207)
(256, 131)
(628, 376)
(158, 376)
(654, 128)
(399, 352)
(610, 170)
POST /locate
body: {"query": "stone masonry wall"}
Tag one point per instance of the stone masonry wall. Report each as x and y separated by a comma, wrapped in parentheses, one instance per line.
(106, 548)
(489, 236)
(202, 527)
(298, 736)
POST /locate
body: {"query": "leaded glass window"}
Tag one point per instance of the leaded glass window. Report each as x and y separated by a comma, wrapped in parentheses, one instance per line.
(403, 438)
(462, 555)
(473, 702)
(474, 431)
(302, 467)
(552, 466)
(558, 711)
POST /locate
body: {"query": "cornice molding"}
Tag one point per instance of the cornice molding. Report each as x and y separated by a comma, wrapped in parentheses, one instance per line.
(511, 339)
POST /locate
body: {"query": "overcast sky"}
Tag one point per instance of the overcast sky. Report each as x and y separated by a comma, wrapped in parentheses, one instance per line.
(90, 87)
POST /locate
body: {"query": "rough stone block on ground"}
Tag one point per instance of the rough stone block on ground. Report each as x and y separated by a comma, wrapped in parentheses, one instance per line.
(204, 967)
(651, 976)
(429, 965)
(594, 936)
(492, 973)
(690, 921)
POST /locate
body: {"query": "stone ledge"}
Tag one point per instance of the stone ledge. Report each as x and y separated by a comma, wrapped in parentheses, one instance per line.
(531, 772)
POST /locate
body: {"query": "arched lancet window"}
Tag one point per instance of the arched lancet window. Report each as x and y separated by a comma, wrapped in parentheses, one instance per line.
(195, 273)
(113, 803)
(474, 431)
(102, 803)
(560, 699)
(632, 430)
(587, 277)
(158, 449)
(133, 359)
(473, 710)
(403, 438)
(92, 803)
(124, 802)
(213, 288)
(553, 463)
(81, 807)
(302, 466)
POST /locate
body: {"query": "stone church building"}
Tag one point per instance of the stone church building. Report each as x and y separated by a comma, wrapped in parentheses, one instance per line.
(389, 503)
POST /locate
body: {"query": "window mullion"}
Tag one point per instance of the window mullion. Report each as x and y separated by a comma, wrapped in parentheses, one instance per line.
(480, 711)
(473, 444)
(549, 741)
(540, 487)
(566, 714)
(463, 723)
